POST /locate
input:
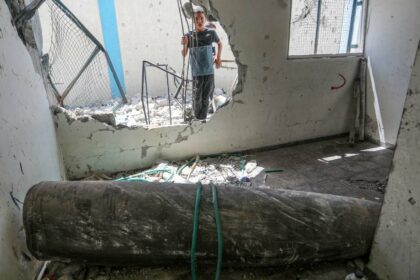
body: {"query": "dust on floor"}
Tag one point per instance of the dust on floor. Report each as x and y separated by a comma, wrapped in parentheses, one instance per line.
(317, 271)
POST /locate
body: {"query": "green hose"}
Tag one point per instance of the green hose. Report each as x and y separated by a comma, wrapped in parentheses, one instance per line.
(219, 231)
(195, 230)
(131, 180)
(135, 177)
(185, 165)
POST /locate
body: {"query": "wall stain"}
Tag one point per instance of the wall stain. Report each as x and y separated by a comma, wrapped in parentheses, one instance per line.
(21, 168)
(144, 151)
(181, 138)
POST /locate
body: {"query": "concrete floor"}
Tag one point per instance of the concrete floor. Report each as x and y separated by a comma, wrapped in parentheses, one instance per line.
(320, 271)
(329, 166)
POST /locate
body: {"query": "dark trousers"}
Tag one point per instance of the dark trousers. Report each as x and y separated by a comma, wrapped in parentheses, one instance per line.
(203, 91)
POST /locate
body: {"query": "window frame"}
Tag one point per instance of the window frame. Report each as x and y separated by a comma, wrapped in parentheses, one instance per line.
(364, 20)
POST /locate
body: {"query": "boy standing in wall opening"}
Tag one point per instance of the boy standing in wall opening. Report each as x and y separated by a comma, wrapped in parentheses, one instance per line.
(200, 43)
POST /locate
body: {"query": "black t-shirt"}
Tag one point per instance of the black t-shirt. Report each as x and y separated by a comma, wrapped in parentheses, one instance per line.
(203, 38)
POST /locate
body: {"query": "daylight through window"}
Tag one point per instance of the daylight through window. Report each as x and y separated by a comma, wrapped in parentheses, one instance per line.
(326, 27)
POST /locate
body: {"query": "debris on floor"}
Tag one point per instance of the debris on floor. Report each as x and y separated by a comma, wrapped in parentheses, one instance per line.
(222, 169)
(132, 114)
(317, 271)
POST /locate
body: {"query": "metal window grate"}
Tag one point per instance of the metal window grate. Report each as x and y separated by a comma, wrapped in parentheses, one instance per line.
(79, 69)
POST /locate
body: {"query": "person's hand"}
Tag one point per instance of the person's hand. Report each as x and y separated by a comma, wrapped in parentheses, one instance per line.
(218, 62)
(184, 40)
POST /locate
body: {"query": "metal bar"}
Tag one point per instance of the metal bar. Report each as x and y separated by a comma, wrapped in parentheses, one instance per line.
(147, 95)
(184, 92)
(76, 21)
(55, 90)
(142, 93)
(28, 11)
(117, 81)
(178, 102)
(318, 23)
(75, 79)
(179, 89)
(169, 96)
(229, 68)
(145, 90)
(363, 76)
(353, 16)
(354, 112)
(163, 69)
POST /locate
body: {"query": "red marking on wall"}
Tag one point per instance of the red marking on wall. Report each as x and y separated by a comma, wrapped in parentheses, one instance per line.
(342, 85)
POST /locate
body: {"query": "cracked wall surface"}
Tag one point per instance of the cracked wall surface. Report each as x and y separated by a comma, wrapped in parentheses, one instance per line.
(396, 248)
(277, 101)
(28, 147)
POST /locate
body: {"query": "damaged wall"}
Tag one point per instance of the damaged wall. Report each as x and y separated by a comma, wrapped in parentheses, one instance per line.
(28, 146)
(396, 248)
(148, 30)
(393, 31)
(281, 101)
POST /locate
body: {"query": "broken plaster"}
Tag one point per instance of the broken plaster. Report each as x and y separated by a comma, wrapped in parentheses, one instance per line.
(242, 68)
(242, 71)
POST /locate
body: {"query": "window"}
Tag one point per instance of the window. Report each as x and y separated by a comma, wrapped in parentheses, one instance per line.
(326, 27)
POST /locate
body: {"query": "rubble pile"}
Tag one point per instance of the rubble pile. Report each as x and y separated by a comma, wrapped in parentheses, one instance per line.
(133, 115)
(72, 271)
(222, 169)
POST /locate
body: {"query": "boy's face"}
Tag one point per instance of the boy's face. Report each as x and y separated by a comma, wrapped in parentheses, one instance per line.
(200, 21)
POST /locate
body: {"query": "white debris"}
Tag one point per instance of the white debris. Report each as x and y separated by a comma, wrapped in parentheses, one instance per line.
(250, 166)
(223, 169)
(132, 114)
(256, 171)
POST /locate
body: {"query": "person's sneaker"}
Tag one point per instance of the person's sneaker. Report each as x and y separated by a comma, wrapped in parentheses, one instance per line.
(188, 116)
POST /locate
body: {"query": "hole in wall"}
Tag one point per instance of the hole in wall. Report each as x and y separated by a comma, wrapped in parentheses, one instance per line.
(147, 31)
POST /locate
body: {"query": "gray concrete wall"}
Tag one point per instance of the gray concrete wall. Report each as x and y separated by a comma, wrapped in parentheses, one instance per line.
(396, 249)
(28, 146)
(280, 101)
(393, 30)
